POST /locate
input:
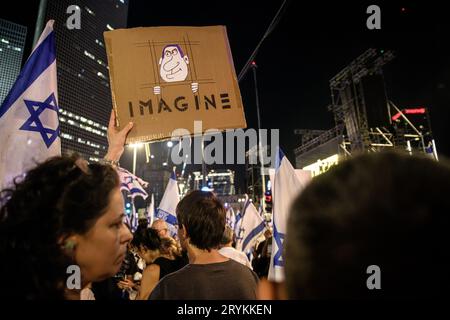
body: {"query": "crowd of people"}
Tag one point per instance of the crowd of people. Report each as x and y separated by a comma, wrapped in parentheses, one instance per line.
(387, 209)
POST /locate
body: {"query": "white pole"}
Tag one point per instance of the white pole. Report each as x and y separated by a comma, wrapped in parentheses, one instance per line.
(134, 158)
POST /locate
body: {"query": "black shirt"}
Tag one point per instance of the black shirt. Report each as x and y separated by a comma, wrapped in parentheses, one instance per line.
(228, 280)
(166, 266)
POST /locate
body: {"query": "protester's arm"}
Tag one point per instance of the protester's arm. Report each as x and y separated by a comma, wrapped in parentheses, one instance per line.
(127, 284)
(116, 139)
(150, 278)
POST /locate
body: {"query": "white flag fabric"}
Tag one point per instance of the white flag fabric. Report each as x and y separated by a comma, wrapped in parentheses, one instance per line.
(238, 219)
(230, 218)
(286, 186)
(252, 226)
(303, 175)
(132, 184)
(151, 211)
(29, 126)
(168, 205)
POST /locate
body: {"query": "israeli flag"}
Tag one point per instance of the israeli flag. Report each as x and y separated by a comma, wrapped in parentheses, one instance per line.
(29, 126)
(168, 205)
(238, 230)
(252, 226)
(286, 186)
(132, 184)
(230, 218)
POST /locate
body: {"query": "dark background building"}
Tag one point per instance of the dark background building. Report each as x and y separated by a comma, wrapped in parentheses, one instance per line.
(12, 45)
(83, 78)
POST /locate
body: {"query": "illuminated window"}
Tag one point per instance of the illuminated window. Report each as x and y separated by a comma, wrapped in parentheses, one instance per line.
(90, 11)
(90, 55)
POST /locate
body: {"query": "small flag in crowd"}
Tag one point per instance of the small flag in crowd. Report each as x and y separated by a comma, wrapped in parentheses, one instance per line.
(29, 126)
(230, 218)
(132, 184)
(287, 185)
(238, 221)
(252, 226)
(168, 205)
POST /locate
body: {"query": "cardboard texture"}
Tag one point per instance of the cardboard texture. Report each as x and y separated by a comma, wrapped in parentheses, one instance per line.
(165, 78)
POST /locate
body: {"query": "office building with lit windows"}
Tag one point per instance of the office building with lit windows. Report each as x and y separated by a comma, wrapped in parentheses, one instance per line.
(83, 79)
(12, 43)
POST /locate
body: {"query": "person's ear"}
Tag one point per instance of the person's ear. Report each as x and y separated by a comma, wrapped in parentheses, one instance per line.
(160, 61)
(68, 244)
(186, 58)
(268, 290)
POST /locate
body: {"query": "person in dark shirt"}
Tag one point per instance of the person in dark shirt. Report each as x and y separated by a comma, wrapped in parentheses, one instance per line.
(171, 258)
(209, 275)
(161, 256)
(261, 262)
(373, 227)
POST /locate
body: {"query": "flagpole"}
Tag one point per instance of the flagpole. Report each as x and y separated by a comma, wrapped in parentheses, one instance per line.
(203, 162)
(134, 158)
(260, 152)
(40, 22)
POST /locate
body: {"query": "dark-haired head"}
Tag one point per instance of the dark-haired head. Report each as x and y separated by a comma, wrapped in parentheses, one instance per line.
(148, 244)
(202, 216)
(62, 213)
(389, 210)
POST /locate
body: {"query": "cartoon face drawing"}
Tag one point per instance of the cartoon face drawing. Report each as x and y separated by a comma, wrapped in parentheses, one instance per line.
(173, 64)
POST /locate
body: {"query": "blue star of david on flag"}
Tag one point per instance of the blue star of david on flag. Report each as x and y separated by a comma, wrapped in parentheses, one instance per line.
(166, 216)
(279, 239)
(34, 123)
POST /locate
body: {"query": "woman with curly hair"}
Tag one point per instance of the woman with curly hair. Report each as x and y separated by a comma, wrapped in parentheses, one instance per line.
(65, 215)
(161, 255)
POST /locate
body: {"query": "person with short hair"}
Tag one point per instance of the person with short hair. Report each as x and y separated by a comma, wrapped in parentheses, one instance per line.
(227, 250)
(161, 227)
(209, 275)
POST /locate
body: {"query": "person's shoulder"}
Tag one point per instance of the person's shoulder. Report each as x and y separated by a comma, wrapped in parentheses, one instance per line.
(233, 264)
(176, 276)
(151, 268)
(242, 269)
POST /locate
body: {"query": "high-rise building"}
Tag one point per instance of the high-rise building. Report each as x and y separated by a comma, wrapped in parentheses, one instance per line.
(83, 78)
(12, 43)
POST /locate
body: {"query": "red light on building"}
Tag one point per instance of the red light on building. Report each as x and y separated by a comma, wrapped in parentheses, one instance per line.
(394, 118)
(409, 111)
(415, 111)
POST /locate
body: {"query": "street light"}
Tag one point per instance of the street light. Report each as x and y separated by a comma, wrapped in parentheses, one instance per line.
(170, 144)
(135, 146)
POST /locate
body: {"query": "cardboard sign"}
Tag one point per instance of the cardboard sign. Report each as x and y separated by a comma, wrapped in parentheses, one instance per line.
(165, 78)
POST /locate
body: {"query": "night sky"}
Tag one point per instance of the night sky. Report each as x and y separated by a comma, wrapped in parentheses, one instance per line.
(311, 44)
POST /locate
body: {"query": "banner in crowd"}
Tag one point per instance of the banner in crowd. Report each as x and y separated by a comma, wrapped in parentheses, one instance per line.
(165, 78)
